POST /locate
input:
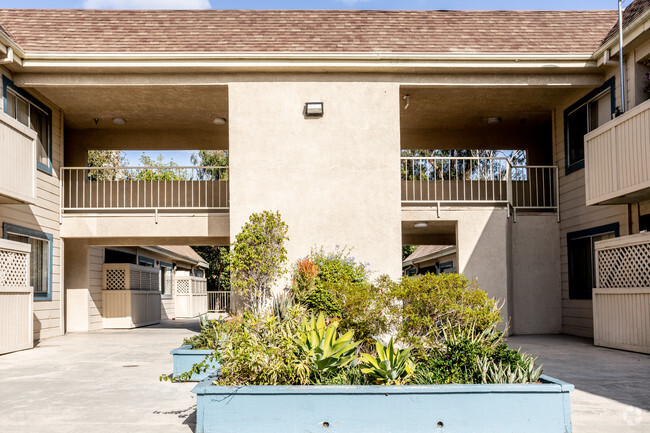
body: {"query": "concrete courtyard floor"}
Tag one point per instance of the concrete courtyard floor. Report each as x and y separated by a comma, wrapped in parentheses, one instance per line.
(107, 381)
(612, 387)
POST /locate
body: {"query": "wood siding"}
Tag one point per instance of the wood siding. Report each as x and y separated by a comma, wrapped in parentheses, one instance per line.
(43, 216)
(18, 173)
(617, 157)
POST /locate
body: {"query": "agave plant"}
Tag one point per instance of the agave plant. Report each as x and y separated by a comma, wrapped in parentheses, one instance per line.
(390, 367)
(281, 305)
(324, 346)
(525, 372)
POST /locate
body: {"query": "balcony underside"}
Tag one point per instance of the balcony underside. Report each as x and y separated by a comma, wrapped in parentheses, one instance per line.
(161, 228)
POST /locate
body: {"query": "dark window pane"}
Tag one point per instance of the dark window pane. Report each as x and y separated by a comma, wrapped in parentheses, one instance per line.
(577, 127)
(581, 272)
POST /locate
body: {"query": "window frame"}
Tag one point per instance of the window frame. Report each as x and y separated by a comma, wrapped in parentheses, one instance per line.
(169, 266)
(581, 234)
(585, 100)
(7, 84)
(144, 259)
(8, 228)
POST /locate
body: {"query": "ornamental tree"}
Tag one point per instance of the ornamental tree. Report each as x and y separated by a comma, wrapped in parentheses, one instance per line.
(257, 259)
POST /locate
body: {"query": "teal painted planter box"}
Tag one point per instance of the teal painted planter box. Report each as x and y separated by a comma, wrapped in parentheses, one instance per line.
(508, 408)
(185, 357)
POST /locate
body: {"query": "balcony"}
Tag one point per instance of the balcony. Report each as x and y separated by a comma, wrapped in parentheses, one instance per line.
(622, 294)
(17, 173)
(476, 181)
(150, 204)
(143, 189)
(617, 157)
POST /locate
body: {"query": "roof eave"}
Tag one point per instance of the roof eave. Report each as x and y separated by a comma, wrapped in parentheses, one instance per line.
(630, 32)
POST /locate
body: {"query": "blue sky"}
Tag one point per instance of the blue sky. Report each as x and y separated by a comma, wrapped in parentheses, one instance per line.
(317, 4)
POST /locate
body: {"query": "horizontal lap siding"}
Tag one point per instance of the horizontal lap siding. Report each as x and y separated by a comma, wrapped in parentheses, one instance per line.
(577, 314)
(44, 216)
(96, 259)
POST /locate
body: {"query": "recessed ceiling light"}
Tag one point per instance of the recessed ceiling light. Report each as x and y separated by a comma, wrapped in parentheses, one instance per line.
(421, 225)
(119, 120)
(219, 121)
(493, 120)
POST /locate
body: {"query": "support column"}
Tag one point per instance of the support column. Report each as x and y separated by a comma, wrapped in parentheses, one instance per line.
(77, 286)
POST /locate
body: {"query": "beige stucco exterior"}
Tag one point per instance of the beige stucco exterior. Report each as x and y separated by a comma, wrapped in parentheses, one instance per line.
(334, 180)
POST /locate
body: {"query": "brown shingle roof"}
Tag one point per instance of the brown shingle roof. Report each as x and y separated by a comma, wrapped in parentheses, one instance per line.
(632, 12)
(426, 250)
(184, 250)
(301, 31)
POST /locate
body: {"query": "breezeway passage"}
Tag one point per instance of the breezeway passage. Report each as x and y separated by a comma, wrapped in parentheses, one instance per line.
(107, 382)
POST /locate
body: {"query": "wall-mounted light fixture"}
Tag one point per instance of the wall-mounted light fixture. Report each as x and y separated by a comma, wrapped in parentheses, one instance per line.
(219, 121)
(314, 109)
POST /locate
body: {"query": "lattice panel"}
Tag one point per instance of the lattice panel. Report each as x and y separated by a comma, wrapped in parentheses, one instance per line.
(622, 267)
(183, 287)
(13, 269)
(115, 279)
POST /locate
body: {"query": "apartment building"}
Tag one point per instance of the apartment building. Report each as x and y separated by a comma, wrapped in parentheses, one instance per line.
(371, 129)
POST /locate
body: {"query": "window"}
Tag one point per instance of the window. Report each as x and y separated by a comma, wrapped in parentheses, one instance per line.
(447, 267)
(145, 261)
(198, 273)
(30, 112)
(587, 114)
(166, 279)
(40, 266)
(582, 269)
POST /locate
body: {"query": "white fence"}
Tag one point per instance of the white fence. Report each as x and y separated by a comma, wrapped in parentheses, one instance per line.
(621, 299)
(130, 295)
(219, 301)
(478, 180)
(17, 167)
(16, 297)
(100, 189)
(191, 295)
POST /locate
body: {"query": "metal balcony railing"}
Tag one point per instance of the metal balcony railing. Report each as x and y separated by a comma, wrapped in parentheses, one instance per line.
(100, 189)
(478, 180)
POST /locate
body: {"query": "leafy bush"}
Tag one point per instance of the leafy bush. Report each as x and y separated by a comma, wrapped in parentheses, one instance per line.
(257, 257)
(262, 350)
(432, 302)
(341, 289)
(207, 338)
(465, 355)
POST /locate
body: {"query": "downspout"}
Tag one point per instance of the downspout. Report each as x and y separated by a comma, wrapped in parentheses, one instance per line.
(620, 53)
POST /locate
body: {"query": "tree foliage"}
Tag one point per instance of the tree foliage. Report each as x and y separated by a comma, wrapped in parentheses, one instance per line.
(211, 158)
(158, 169)
(257, 258)
(218, 273)
(106, 158)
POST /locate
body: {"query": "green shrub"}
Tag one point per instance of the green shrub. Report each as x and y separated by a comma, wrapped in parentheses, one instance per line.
(390, 367)
(465, 355)
(432, 302)
(262, 350)
(341, 289)
(257, 257)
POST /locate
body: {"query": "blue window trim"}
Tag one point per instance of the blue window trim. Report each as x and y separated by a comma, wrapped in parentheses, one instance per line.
(18, 230)
(169, 266)
(609, 84)
(607, 228)
(143, 259)
(7, 83)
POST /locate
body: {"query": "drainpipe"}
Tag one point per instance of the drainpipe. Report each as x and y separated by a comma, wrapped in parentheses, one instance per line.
(620, 53)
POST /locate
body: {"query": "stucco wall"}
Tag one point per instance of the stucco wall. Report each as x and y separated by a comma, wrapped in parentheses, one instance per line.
(334, 179)
(536, 281)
